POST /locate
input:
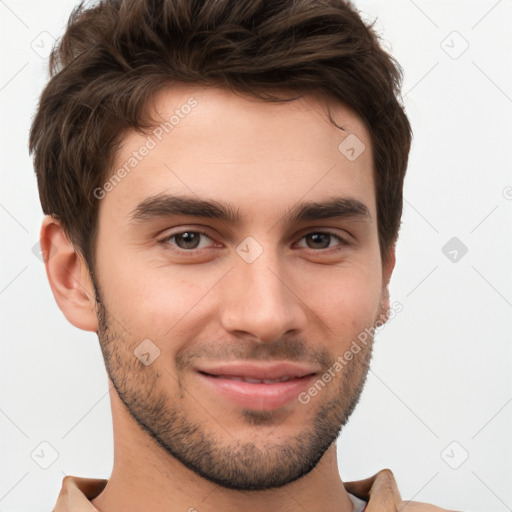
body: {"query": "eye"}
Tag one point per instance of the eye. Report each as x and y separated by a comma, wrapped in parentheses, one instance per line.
(322, 240)
(188, 240)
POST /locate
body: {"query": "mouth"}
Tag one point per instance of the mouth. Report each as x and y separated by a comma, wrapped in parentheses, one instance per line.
(257, 386)
(250, 379)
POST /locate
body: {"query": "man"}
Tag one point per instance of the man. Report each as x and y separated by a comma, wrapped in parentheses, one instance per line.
(223, 190)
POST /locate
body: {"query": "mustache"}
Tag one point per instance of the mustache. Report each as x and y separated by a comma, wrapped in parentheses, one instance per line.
(296, 350)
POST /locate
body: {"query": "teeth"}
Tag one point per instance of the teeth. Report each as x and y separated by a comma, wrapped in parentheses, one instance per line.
(258, 381)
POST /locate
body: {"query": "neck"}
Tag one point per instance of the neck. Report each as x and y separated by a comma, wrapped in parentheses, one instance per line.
(146, 477)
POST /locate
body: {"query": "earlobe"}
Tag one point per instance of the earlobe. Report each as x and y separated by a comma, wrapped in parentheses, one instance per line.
(68, 276)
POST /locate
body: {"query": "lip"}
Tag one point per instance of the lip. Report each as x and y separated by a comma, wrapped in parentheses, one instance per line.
(260, 371)
(259, 396)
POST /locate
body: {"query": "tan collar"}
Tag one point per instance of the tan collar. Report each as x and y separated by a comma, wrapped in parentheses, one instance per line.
(76, 492)
(380, 491)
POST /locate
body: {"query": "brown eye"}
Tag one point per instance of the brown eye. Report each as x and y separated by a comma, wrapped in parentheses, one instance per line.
(318, 240)
(322, 240)
(188, 240)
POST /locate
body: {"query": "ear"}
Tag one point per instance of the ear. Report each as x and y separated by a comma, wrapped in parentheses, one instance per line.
(69, 276)
(387, 270)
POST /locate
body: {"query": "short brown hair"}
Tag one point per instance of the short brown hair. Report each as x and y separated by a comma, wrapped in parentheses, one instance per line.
(118, 54)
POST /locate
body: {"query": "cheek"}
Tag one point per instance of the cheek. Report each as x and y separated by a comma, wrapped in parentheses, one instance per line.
(166, 302)
(156, 301)
(346, 299)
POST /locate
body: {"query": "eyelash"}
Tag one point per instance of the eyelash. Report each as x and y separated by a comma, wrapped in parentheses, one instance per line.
(166, 241)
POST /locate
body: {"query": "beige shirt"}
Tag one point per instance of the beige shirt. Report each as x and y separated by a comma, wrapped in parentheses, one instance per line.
(379, 491)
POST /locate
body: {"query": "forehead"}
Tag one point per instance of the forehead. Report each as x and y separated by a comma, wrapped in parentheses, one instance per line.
(216, 144)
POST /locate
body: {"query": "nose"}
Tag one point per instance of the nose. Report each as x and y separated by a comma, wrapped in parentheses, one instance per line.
(260, 301)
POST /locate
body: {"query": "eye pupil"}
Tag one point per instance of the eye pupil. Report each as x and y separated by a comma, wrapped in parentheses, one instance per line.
(192, 240)
(187, 240)
(320, 238)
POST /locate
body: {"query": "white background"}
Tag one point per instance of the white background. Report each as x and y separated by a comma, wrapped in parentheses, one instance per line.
(442, 368)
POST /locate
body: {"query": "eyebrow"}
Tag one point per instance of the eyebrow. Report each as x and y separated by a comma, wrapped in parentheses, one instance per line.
(162, 206)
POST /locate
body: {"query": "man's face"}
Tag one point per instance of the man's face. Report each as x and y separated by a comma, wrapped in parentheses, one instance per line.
(215, 318)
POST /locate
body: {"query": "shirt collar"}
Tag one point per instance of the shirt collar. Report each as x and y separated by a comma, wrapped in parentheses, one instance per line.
(380, 491)
(76, 492)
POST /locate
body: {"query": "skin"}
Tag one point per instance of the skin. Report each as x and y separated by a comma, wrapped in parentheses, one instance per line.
(302, 299)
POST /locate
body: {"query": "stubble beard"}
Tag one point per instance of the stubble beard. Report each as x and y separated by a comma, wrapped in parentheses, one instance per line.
(236, 464)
